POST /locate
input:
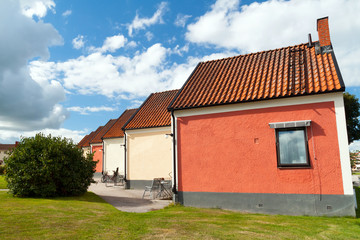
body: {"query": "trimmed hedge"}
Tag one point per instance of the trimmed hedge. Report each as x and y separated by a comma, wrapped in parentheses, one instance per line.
(45, 166)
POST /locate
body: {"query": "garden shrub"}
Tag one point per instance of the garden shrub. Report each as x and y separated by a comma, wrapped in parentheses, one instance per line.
(2, 169)
(45, 166)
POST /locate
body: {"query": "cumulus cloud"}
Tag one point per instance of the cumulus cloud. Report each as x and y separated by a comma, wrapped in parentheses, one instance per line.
(179, 51)
(113, 43)
(12, 136)
(181, 19)
(354, 146)
(87, 110)
(278, 23)
(37, 8)
(142, 23)
(118, 76)
(132, 44)
(26, 104)
(78, 42)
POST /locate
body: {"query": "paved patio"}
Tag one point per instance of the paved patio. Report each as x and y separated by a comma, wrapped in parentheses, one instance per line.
(127, 200)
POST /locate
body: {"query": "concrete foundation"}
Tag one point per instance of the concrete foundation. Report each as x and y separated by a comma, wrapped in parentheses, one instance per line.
(137, 184)
(287, 204)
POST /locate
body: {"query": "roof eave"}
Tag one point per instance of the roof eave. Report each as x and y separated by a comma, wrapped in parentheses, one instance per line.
(342, 89)
(148, 127)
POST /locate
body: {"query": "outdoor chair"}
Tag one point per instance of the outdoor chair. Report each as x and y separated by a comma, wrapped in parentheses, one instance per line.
(154, 188)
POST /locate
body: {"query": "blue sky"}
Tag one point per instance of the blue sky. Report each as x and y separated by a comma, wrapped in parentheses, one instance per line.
(68, 67)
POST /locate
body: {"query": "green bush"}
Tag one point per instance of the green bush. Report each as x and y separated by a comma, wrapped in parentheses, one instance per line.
(45, 166)
(2, 169)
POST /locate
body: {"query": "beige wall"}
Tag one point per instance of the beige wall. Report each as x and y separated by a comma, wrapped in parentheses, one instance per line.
(149, 153)
(3, 153)
(114, 154)
(86, 151)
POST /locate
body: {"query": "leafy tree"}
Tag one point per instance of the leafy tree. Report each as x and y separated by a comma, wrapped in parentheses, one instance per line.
(352, 111)
(354, 158)
(45, 166)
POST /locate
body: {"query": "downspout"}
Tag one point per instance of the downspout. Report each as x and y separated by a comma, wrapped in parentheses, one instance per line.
(174, 190)
(125, 170)
(103, 153)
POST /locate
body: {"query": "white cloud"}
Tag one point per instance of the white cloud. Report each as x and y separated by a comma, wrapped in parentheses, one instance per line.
(78, 42)
(37, 8)
(113, 43)
(181, 19)
(278, 23)
(87, 110)
(354, 146)
(135, 104)
(26, 104)
(124, 77)
(179, 51)
(149, 36)
(132, 44)
(12, 136)
(66, 13)
(142, 23)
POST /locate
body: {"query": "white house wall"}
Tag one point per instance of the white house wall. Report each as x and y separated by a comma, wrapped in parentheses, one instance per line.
(114, 154)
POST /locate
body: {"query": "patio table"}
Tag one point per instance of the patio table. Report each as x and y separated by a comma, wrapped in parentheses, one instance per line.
(165, 190)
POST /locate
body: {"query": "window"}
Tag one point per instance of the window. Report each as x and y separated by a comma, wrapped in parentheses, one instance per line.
(292, 143)
(291, 147)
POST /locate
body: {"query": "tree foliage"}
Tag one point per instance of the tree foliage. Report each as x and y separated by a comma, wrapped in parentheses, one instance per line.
(354, 158)
(352, 111)
(45, 166)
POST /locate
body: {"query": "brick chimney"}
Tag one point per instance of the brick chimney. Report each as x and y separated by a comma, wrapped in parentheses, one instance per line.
(323, 31)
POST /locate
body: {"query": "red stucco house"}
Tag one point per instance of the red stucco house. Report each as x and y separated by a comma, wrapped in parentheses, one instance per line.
(96, 145)
(265, 132)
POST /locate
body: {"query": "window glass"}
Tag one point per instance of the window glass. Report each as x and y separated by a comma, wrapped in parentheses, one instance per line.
(291, 147)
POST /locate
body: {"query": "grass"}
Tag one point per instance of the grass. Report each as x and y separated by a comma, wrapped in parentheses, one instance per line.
(357, 192)
(3, 184)
(89, 217)
(356, 173)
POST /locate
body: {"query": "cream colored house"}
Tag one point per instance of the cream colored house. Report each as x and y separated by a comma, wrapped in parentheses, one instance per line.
(84, 144)
(4, 151)
(148, 141)
(114, 144)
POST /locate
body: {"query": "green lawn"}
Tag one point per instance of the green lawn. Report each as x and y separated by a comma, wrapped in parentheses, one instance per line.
(89, 217)
(356, 173)
(2, 182)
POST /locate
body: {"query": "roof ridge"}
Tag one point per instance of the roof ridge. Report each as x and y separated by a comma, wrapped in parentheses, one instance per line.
(165, 91)
(259, 52)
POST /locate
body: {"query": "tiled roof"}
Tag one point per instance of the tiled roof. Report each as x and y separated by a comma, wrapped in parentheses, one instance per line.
(6, 146)
(82, 141)
(103, 130)
(115, 131)
(153, 112)
(86, 142)
(93, 135)
(285, 72)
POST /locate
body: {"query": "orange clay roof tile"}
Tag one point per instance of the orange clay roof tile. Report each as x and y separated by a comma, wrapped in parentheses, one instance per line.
(6, 146)
(102, 131)
(82, 141)
(115, 131)
(86, 140)
(153, 112)
(284, 72)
